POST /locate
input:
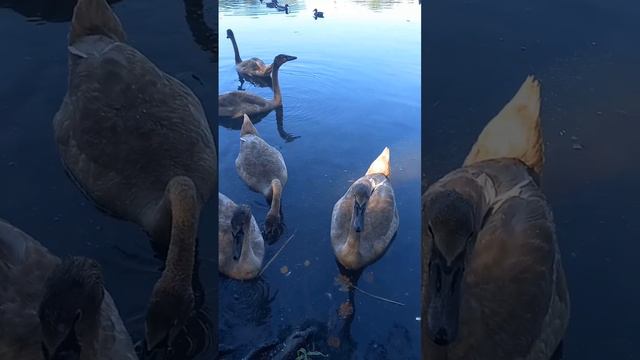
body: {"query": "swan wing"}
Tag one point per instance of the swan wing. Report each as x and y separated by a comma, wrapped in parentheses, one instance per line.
(125, 128)
(381, 218)
(516, 299)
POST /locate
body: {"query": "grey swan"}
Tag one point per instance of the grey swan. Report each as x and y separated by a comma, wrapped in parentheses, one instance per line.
(237, 103)
(493, 285)
(262, 168)
(365, 219)
(254, 70)
(137, 143)
(240, 243)
(133, 139)
(55, 309)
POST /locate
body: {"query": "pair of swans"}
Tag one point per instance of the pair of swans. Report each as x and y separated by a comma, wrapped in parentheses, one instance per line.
(493, 285)
(135, 141)
(235, 104)
(232, 106)
(241, 245)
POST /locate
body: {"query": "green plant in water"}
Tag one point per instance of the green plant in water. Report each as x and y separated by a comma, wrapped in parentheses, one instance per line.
(304, 354)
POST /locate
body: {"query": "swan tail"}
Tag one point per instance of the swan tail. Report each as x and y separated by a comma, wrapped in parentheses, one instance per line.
(381, 165)
(515, 132)
(95, 17)
(247, 127)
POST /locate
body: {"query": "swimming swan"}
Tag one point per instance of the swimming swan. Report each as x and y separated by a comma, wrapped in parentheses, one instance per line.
(365, 219)
(240, 243)
(284, 8)
(53, 307)
(254, 70)
(262, 168)
(493, 283)
(136, 142)
(236, 104)
(130, 136)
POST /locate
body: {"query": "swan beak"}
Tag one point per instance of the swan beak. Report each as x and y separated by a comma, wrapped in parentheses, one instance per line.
(290, 58)
(358, 220)
(237, 244)
(444, 302)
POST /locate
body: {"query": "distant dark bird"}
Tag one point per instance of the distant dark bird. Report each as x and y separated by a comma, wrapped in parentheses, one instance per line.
(272, 4)
(284, 8)
(317, 14)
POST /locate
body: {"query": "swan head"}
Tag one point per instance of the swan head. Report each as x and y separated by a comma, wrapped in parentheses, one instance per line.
(282, 58)
(451, 232)
(240, 219)
(229, 34)
(361, 193)
(70, 307)
(170, 307)
(315, 11)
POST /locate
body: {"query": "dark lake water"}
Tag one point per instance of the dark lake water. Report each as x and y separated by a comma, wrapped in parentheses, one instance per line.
(477, 53)
(354, 89)
(35, 193)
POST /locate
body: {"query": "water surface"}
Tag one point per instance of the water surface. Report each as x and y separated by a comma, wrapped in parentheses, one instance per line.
(477, 53)
(354, 89)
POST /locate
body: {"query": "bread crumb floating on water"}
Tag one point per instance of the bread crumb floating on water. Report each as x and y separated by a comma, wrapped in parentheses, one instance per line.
(307, 263)
(346, 310)
(368, 277)
(284, 269)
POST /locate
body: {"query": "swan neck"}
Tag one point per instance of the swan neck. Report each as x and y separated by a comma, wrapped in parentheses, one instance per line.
(184, 206)
(275, 83)
(276, 195)
(235, 49)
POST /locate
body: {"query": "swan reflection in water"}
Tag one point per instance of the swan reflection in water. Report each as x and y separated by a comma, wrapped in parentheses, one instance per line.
(244, 315)
(45, 11)
(235, 124)
(396, 344)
